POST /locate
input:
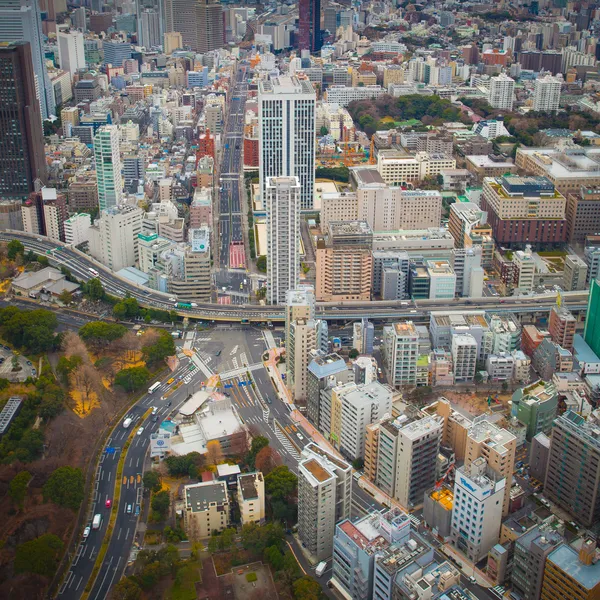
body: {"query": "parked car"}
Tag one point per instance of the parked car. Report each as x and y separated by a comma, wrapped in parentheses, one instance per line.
(86, 531)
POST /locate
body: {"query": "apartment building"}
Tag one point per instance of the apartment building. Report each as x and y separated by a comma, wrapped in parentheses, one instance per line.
(400, 351)
(407, 452)
(562, 325)
(497, 446)
(575, 274)
(524, 210)
(536, 406)
(343, 95)
(324, 497)
(444, 325)
(477, 510)
(399, 169)
(301, 341)
(251, 497)
(108, 167)
(546, 94)
(76, 229)
(338, 206)
(573, 472)
(83, 193)
(206, 508)
(501, 92)
(464, 357)
(583, 213)
(345, 262)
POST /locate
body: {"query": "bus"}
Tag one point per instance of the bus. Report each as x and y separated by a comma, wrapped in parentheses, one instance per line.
(153, 387)
(93, 272)
(183, 305)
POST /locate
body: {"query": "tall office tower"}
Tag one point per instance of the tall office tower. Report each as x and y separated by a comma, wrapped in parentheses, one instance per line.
(71, 53)
(78, 18)
(309, 34)
(283, 234)
(22, 159)
(149, 29)
(573, 473)
(330, 19)
(502, 92)
(209, 21)
(180, 17)
(108, 167)
(591, 333)
(286, 113)
(497, 446)
(172, 41)
(116, 52)
(477, 511)
(324, 498)
(406, 459)
(21, 21)
(546, 94)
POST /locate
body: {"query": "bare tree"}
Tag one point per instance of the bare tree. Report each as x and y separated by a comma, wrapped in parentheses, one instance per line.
(214, 453)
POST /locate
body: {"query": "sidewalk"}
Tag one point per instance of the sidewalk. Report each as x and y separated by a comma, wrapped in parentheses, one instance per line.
(466, 566)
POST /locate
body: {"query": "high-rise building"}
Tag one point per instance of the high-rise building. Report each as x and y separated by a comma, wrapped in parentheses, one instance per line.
(283, 237)
(149, 29)
(44, 213)
(400, 351)
(573, 472)
(591, 332)
(78, 17)
(301, 341)
(562, 326)
(210, 35)
(116, 52)
(546, 94)
(108, 166)
(497, 446)
(477, 510)
(21, 21)
(173, 40)
(71, 52)
(76, 229)
(309, 34)
(502, 92)
(406, 459)
(286, 114)
(324, 496)
(464, 357)
(575, 273)
(22, 159)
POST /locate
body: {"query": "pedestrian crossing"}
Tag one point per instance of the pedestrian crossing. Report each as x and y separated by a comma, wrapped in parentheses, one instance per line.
(286, 443)
(498, 591)
(202, 366)
(414, 520)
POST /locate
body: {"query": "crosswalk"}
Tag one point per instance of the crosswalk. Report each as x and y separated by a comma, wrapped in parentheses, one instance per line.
(498, 590)
(285, 442)
(239, 371)
(202, 366)
(414, 520)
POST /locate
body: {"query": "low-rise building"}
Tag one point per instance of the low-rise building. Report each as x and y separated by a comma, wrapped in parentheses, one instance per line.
(206, 508)
(251, 497)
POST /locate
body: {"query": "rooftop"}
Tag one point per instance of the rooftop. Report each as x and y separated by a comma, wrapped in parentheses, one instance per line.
(200, 496)
(315, 468)
(405, 328)
(247, 485)
(567, 559)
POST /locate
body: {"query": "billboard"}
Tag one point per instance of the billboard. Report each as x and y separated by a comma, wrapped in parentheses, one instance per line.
(160, 443)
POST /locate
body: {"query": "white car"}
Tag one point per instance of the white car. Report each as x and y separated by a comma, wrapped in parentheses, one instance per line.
(86, 532)
(172, 299)
(155, 409)
(140, 431)
(300, 436)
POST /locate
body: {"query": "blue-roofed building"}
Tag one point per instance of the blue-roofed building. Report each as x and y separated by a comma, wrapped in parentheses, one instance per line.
(572, 574)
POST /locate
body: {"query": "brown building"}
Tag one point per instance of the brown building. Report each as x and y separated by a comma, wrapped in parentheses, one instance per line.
(583, 214)
(83, 193)
(10, 215)
(531, 338)
(22, 158)
(345, 262)
(562, 327)
(524, 210)
(100, 22)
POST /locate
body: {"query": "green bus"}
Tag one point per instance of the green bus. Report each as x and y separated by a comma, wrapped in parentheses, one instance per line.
(183, 305)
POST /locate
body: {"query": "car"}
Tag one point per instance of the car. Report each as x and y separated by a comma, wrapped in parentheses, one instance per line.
(172, 299)
(108, 503)
(519, 464)
(472, 579)
(169, 403)
(154, 410)
(137, 510)
(6, 348)
(218, 353)
(299, 436)
(1, 360)
(86, 531)
(129, 509)
(140, 431)
(269, 401)
(29, 362)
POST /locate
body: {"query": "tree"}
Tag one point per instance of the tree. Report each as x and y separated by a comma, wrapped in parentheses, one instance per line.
(94, 289)
(15, 247)
(31, 330)
(227, 538)
(307, 588)
(290, 566)
(358, 464)
(504, 386)
(66, 297)
(17, 489)
(478, 378)
(163, 347)
(324, 130)
(66, 366)
(214, 454)
(267, 459)
(65, 487)
(119, 311)
(261, 263)
(281, 483)
(132, 379)
(127, 589)
(178, 466)
(274, 557)
(39, 556)
(160, 504)
(258, 443)
(353, 354)
(98, 334)
(152, 481)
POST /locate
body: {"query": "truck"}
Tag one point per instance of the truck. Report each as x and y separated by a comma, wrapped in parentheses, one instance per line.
(97, 521)
(321, 568)
(127, 422)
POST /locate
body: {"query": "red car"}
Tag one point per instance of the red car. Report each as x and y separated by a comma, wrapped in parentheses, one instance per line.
(108, 503)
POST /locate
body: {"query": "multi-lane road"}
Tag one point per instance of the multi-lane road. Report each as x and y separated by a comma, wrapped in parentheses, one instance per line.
(231, 253)
(80, 264)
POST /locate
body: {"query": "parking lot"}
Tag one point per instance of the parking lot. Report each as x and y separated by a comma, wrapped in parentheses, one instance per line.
(24, 370)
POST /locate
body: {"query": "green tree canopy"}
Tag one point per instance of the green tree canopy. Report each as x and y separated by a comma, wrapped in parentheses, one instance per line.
(17, 489)
(184, 465)
(261, 263)
(94, 289)
(160, 504)
(65, 487)
(39, 556)
(100, 333)
(258, 443)
(164, 346)
(132, 379)
(257, 538)
(14, 248)
(307, 588)
(152, 480)
(281, 483)
(127, 589)
(31, 330)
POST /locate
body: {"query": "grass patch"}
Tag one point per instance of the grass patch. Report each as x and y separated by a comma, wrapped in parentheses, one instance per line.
(184, 586)
(251, 577)
(552, 253)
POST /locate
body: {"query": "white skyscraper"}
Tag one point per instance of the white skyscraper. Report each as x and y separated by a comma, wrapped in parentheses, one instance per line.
(283, 232)
(20, 20)
(286, 113)
(108, 167)
(71, 54)
(546, 94)
(502, 92)
(149, 29)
